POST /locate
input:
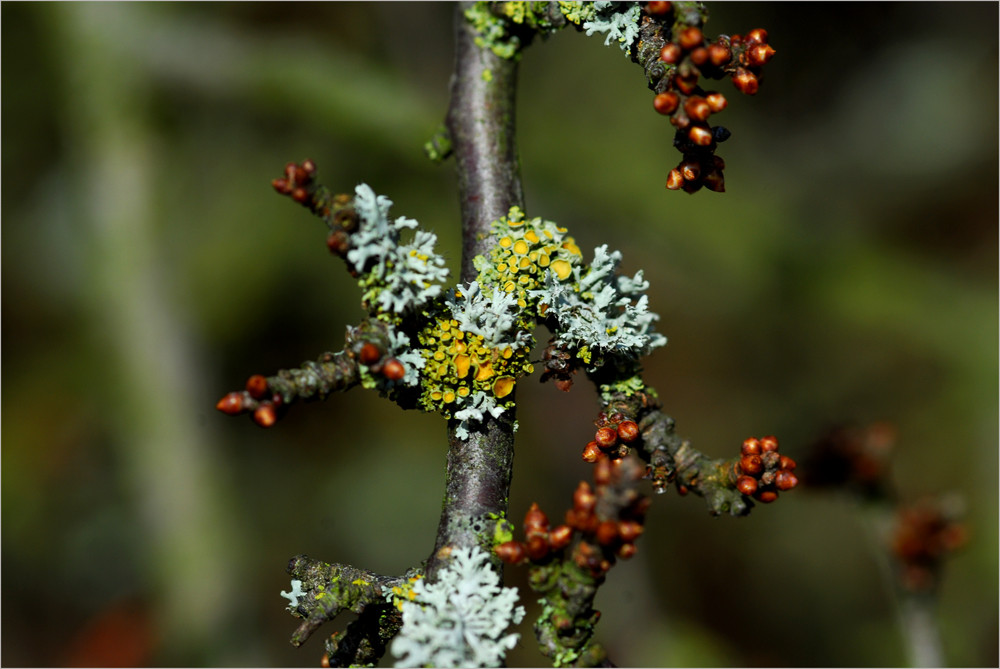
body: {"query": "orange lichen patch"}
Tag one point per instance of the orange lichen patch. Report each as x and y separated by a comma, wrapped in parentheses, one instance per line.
(562, 268)
(485, 372)
(462, 364)
(503, 386)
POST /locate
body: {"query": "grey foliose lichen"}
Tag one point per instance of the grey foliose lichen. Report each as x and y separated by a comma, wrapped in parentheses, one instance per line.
(394, 276)
(602, 312)
(620, 20)
(461, 620)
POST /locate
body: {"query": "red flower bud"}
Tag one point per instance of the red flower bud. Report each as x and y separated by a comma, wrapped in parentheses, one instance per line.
(511, 552)
(309, 167)
(666, 103)
(699, 56)
(300, 195)
(265, 415)
(697, 108)
(787, 463)
(670, 53)
(700, 135)
(628, 431)
(759, 54)
(607, 532)
(690, 37)
(369, 354)
(766, 496)
(629, 530)
(686, 84)
(690, 170)
(719, 54)
(338, 242)
(756, 36)
(769, 443)
(537, 547)
(785, 480)
(591, 452)
(560, 537)
(751, 446)
(584, 498)
(282, 186)
(658, 8)
(716, 102)
(675, 179)
(606, 437)
(535, 520)
(257, 386)
(626, 550)
(746, 82)
(299, 175)
(747, 485)
(393, 369)
(231, 404)
(751, 464)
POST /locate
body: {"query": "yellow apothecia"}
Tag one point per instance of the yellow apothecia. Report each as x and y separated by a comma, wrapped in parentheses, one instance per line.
(459, 363)
(401, 593)
(525, 248)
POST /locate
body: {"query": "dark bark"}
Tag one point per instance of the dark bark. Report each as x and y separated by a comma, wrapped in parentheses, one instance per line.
(481, 124)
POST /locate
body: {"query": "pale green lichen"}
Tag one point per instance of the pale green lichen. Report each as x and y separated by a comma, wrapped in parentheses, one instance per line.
(461, 620)
(491, 31)
(601, 312)
(525, 250)
(439, 146)
(627, 387)
(395, 278)
(472, 344)
(620, 20)
(577, 12)
(294, 594)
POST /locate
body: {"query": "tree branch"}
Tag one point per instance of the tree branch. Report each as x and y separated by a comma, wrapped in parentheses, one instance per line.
(480, 121)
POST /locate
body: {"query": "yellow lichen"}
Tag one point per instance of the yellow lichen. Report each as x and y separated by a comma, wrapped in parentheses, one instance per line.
(503, 386)
(561, 268)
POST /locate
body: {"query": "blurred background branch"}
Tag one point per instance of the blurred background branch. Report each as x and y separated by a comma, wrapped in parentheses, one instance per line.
(848, 274)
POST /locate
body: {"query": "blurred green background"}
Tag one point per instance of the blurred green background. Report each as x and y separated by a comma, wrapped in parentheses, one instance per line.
(849, 274)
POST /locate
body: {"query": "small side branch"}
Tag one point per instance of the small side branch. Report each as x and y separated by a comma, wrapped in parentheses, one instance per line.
(321, 591)
(364, 356)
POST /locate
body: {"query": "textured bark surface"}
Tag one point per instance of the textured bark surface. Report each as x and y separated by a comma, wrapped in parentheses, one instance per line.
(481, 123)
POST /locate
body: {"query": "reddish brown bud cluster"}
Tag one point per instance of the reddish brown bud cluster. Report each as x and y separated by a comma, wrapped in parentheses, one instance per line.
(614, 436)
(924, 536)
(257, 398)
(762, 472)
(370, 354)
(607, 519)
(685, 58)
(753, 52)
(297, 182)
